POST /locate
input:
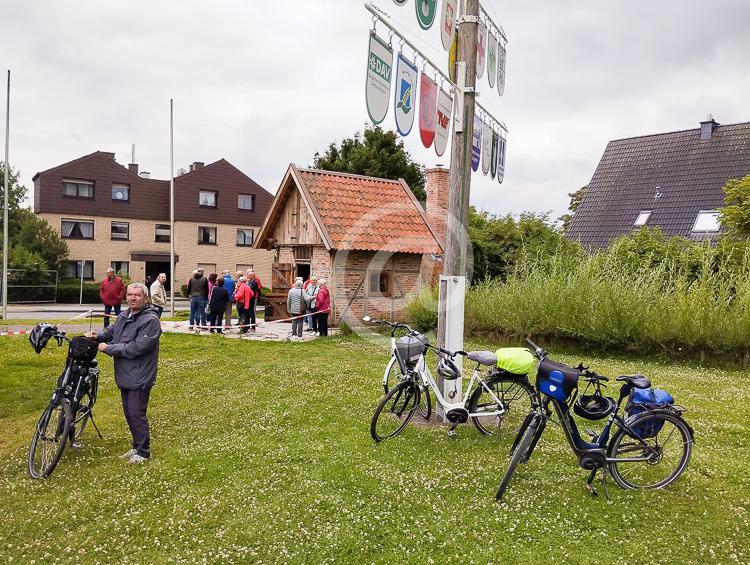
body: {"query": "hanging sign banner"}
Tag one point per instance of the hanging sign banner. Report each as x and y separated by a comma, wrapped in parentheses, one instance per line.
(452, 54)
(444, 111)
(501, 161)
(427, 109)
(401, 2)
(426, 10)
(378, 87)
(476, 144)
(448, 23)
(406, 90)
(481, 49)
(493, 156)
(486, 147)
(500, 67)
(492, 60)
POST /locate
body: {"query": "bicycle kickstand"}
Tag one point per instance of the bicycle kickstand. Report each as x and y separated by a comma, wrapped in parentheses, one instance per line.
(95, 426)
(604, 482)
(590, 481)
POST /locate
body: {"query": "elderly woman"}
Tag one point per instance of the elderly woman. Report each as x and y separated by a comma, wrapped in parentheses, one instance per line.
(296, 304)
(324, 307)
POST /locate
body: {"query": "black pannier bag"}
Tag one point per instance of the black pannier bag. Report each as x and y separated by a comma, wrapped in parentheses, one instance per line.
(410, 347)
(556, 379)
(83, 349)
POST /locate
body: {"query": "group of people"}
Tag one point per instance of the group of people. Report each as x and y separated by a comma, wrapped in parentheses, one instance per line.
(212, 298)
(309, 303)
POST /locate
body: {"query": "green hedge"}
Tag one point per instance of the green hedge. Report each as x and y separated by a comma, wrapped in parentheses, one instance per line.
(70, 292)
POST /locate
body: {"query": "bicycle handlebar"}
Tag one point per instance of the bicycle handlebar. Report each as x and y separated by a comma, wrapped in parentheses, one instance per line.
(538, 351)
(396, 325)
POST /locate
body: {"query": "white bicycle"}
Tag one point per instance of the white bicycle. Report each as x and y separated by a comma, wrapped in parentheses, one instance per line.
(496, 403)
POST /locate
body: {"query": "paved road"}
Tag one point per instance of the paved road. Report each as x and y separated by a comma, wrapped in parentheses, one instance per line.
(52, 311)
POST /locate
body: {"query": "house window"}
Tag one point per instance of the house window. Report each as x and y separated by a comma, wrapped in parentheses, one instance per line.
(208, 268)
(120, 192)
(707, 221)
(120, 230)
(77, 229)
(642, 218)
(206, 235)
(73, 270)
(78, 189)
(246, 202)
(207, 199)
(122, 268)
(380, 283)
(162, 233)
(244, 237)
(243, 267)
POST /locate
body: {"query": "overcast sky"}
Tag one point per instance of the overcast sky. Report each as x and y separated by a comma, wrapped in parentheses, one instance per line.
(264, 84)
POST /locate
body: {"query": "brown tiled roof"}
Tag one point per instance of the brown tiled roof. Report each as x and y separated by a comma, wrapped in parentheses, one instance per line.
(689, 172)
(368, 213)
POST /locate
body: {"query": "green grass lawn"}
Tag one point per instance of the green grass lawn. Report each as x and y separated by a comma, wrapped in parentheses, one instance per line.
(262, 453)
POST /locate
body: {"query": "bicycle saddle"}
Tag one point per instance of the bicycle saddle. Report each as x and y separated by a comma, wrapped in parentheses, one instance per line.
(637, 380)
(482, 357)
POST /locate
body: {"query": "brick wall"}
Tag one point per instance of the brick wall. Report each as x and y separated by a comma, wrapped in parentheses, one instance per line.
(437, 199)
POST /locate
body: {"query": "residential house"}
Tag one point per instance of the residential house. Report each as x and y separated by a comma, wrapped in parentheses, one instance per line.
(671, 180)
(112, 216)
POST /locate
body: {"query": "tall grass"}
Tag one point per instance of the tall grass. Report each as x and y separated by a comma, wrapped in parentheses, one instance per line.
(610, 300)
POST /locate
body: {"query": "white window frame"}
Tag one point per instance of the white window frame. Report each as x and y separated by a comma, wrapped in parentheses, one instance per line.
(207, 192)
(252, 202)
(112, 233)
(79, 184)
(698, 218)
(123, 187)
(63, 221)
(243, 230)
(643, 218)
(200, 239)
(125, 272)
(156, 233)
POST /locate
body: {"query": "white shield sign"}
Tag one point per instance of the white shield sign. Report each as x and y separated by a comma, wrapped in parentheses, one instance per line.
(500, 67)
(486, 148)
(378, 87)
(492, 59)
(448, 23)
(481, 49)
(476, 144)
(406, 95)
(501, 161)
(493, 159)
(443, 129)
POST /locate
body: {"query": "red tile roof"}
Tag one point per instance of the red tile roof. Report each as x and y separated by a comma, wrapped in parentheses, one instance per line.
(368, 213)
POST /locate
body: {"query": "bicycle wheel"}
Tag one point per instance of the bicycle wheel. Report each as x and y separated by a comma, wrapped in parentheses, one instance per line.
(667, 452)
(394, 411)
(425, 402)
(51, 435)
(392, 375)
(518, 455)
(516, 399)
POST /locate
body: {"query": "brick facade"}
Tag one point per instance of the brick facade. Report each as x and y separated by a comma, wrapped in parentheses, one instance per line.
(437, 188)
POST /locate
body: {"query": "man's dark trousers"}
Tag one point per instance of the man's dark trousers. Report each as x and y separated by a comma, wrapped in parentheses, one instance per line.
(108, 310)
(134, 404)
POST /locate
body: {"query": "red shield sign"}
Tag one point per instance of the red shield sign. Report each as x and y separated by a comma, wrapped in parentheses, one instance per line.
(427, 109)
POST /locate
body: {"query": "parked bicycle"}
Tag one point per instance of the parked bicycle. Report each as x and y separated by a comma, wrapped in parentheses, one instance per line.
(71, 407)
(649, 449)
(493, 403)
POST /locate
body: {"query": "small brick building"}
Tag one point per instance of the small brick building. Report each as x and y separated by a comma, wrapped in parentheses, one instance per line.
(368, 236)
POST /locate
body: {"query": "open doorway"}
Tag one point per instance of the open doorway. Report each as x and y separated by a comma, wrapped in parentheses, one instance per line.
(153, 268)
(302, 270)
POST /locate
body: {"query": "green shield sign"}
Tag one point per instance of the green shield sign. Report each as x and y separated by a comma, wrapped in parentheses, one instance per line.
(426, 10)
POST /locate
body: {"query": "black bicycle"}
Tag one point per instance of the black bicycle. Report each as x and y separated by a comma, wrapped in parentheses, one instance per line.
(71, 407)
(649, 449)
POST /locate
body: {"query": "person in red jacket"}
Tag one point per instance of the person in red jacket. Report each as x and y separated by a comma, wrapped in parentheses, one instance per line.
(111, 292)
(323, 307)
(243, 296)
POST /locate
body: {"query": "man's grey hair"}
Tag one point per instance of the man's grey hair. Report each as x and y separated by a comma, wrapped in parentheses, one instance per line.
(298, 283)
(142, 286)
(110, 270)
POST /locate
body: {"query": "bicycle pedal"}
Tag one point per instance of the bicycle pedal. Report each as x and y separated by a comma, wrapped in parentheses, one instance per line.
(452, 433)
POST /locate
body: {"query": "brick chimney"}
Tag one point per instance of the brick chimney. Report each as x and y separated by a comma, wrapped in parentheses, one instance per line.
(196, 165)
(133, 167)
(437, 199)
(708, 126)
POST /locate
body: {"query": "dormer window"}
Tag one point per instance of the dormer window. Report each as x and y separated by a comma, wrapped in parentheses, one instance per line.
(120, 192)
(207, 199)
(78, 188)
(642, 218)
(707, 221)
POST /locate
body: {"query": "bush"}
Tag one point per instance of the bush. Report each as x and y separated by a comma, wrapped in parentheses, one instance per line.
(69, 292)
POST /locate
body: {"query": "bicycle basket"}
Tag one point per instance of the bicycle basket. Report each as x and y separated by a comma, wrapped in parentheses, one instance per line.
(83, 349)
(410, 347)
(556, 379)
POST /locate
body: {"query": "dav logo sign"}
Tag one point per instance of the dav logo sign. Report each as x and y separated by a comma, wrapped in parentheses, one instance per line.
(380, 67)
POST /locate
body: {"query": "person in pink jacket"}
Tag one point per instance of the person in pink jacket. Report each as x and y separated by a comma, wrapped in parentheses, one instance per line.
(243, 296)
(323, 307)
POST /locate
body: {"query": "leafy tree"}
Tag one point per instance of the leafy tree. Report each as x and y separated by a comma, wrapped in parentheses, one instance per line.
(575, 202)
(31, 237)
(735, 216)
(375, 153)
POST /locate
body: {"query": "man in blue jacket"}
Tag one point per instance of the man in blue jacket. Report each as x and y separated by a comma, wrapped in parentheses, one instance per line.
(133, 342)
(229, 286)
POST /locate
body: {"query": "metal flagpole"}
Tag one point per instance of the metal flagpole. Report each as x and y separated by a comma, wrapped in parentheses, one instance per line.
(5, 203)
(171, 203)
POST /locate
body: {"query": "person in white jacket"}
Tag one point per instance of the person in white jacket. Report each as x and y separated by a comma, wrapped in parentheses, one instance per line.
(159, 293)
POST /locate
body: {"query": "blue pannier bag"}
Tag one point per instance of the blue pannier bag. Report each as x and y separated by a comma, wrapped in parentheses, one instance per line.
(641, 400)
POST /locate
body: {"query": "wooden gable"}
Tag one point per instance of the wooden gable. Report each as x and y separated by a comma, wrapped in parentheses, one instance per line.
(294, 222)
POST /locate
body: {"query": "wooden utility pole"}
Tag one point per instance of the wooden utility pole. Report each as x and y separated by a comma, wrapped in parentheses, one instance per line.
(456, 237)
